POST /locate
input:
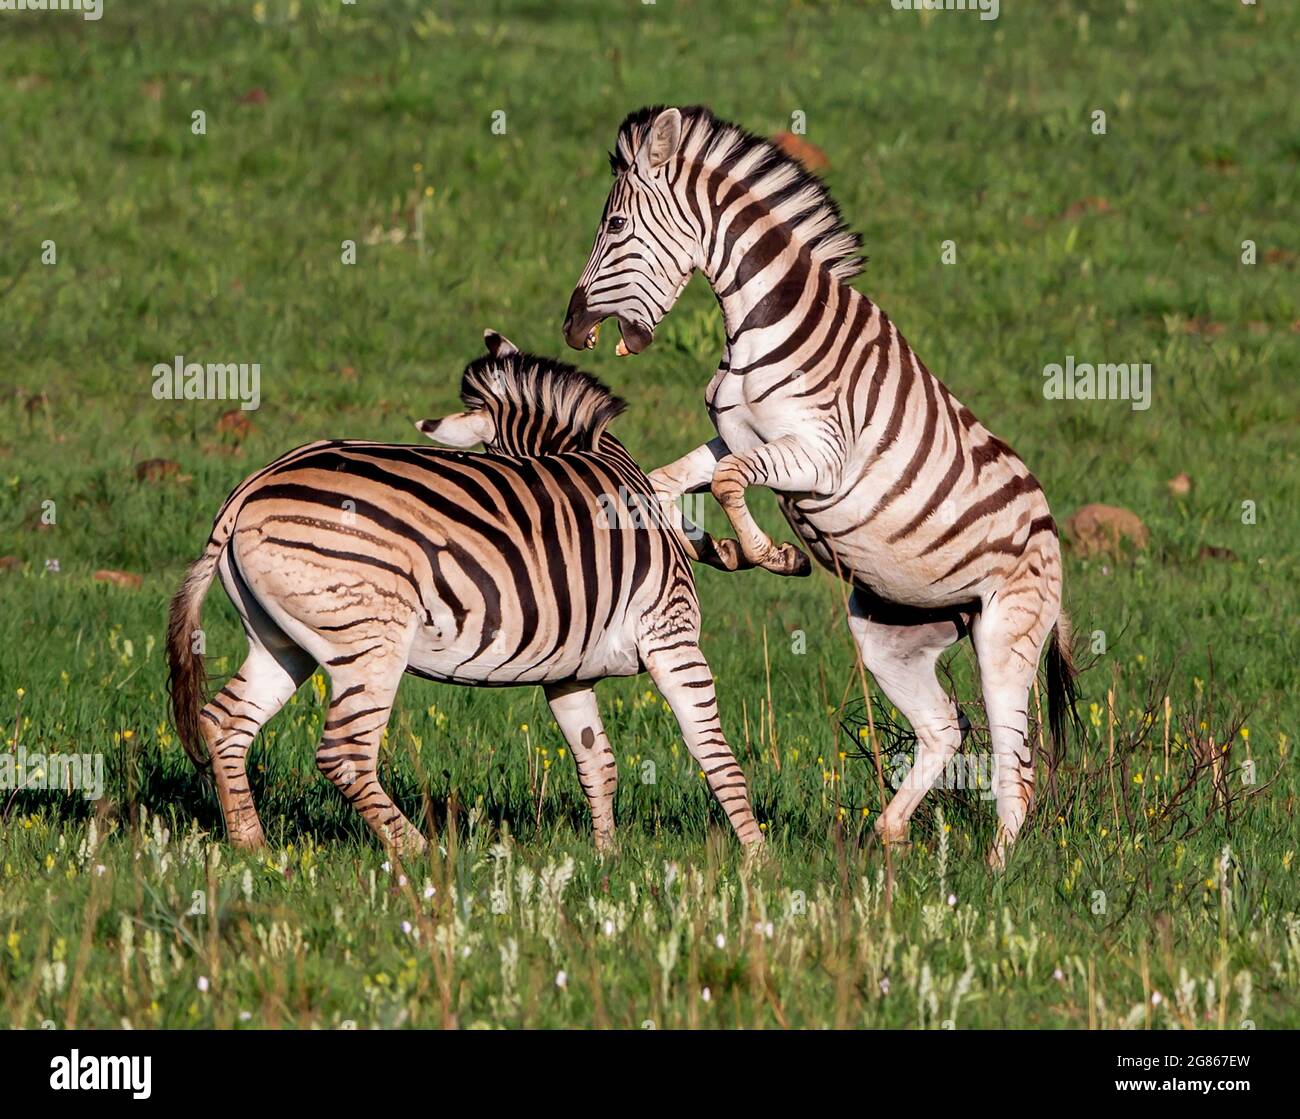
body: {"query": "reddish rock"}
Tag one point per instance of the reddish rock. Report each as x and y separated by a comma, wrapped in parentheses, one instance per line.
(119, 579)
(1090, 205)
(810, 155)
(235, 423)
(156, 469)
(1103, 529)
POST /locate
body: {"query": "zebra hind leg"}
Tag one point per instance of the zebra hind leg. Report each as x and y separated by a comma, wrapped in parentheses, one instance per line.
(231, 720)
(1009, 635)
(683, 677)
(901, 649)
(361, 699)
(574, 708)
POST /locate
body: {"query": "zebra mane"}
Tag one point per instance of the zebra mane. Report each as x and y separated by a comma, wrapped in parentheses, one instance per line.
(541, 406)
(791, 192)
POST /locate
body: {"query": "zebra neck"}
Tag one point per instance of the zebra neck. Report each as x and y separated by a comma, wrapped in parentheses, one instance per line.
(782, 319)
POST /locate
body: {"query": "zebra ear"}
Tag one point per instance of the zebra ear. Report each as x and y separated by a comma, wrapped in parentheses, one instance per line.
(499, 345)
(464, 429)
(662, 141)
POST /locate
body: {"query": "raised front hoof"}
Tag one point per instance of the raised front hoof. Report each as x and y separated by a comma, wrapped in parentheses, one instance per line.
(786, 559)
(727, 555)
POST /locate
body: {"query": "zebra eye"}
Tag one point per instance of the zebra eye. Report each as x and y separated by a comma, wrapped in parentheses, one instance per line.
(616, 224)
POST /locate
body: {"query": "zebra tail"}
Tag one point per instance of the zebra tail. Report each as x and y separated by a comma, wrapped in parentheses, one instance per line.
(186, 677)
(1062, 690)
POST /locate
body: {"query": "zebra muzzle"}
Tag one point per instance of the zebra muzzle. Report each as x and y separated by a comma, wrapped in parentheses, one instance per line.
(581, 327)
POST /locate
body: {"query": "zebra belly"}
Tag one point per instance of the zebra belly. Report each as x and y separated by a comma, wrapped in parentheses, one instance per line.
(900, 572)
(335, 605)
(609, 655)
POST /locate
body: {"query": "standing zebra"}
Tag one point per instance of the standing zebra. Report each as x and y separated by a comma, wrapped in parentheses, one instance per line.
(891, 483)
(509, 567)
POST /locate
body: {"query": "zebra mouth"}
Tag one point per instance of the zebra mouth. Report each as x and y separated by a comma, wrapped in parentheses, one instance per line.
(582, 327)
(632, 337)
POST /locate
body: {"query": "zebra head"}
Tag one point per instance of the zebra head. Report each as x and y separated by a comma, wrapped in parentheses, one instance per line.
(692, 192)
(476, 424)
(522, 404)
(646, 247)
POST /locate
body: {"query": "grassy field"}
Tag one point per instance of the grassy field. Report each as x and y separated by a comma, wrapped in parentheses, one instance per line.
(1157, 886)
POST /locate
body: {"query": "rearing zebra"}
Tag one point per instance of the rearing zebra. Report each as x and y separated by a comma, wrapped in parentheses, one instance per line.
(890, 482)
(514, 566)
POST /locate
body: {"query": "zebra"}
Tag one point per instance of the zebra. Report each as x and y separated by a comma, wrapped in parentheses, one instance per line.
(938, 528)
(513, 566)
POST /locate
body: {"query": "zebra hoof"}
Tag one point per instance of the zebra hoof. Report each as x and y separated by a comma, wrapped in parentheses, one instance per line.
(406, 844)
(755, 853)
(893, 835)
(786, 559)
(729, 555)
(999, 851)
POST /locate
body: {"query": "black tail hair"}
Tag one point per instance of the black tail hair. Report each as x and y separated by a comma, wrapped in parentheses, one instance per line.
(1062, 690)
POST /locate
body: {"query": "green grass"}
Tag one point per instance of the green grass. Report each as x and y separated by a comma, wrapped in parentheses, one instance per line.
(226, 247)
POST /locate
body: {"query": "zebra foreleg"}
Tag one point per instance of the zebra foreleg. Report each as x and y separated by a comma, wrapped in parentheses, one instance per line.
(725, 555)
(693, 473)
(575, 710)
(783, 465)
(690, 474)
(683, 678)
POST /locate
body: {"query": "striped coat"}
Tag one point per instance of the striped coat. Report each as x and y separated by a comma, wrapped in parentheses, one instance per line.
(527, 564)
(888, 479)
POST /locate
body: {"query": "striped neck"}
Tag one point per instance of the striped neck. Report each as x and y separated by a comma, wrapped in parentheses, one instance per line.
(773, 293)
